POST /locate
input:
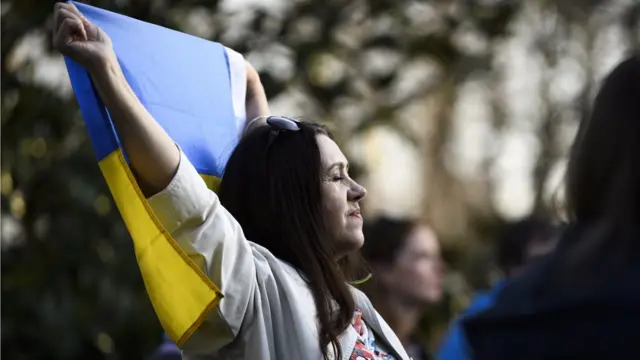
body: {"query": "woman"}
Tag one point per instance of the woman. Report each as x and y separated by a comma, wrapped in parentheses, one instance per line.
(404, 257)
(286, 187)
(583, 301)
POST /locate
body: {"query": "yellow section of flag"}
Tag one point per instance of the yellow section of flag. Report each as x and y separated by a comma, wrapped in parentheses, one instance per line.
(180, 292)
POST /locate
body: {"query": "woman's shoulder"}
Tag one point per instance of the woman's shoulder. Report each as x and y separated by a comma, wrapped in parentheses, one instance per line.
(268, 265)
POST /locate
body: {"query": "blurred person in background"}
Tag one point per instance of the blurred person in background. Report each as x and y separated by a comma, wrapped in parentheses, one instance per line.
(404, 257)
(583, 301)
(521, 243)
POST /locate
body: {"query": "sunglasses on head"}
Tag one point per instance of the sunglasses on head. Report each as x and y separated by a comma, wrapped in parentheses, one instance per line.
(279, 124)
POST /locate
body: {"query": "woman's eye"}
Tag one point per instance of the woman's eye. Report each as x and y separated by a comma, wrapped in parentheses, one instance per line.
(338, 178)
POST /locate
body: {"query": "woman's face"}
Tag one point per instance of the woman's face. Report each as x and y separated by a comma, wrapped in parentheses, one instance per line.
(417, 273)
(340, 198)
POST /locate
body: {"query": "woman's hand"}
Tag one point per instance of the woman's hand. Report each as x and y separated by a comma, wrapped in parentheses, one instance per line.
(77, 38)
(256, 101)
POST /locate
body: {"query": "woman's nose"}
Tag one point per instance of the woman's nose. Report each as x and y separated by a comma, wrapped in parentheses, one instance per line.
(357, 192)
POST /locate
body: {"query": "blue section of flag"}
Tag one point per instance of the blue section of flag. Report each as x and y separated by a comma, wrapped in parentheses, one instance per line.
(99, 126)
(182, 80)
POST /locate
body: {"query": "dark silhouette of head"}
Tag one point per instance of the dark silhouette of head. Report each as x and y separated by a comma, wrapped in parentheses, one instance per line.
(603, 186)
(523, 241)
(290, 195)
(603, 178)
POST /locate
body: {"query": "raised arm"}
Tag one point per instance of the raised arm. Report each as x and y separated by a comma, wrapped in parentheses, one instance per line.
(257, 105)
(153, 155)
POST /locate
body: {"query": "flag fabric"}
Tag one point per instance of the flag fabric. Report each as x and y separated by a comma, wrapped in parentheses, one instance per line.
(196, 90)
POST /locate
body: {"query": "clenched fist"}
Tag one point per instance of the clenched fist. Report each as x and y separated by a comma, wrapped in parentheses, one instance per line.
(77, 38)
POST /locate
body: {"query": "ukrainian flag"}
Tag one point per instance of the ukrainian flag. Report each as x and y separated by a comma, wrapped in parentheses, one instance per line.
(196, 90)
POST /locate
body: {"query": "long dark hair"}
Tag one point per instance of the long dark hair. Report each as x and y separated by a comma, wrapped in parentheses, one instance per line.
(603, 172)
(603, 182)
(273, 189)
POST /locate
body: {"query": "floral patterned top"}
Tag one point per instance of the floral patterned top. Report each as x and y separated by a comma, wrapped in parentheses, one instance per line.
(366, 347)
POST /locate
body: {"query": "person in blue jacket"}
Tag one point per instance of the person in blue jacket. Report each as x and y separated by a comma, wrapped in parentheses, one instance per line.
(521, 242)
(168, 350)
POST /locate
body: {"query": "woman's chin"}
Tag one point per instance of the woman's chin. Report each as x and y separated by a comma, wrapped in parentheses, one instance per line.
(357, 239)
(357, 243)
(350, 244)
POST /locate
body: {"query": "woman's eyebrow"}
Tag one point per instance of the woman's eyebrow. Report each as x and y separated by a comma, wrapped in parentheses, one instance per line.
(338, 164)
